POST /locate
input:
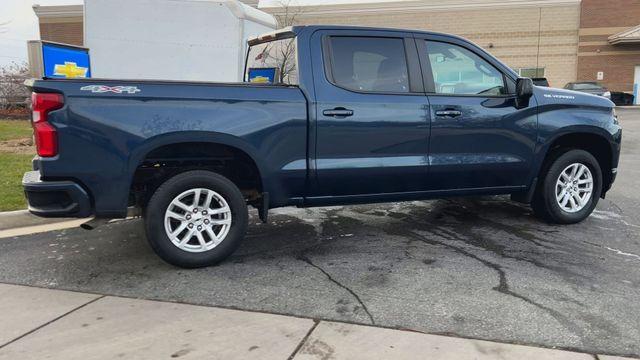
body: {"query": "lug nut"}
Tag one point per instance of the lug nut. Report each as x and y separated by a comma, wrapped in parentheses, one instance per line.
(199, 228)
(204, 212)
(188, 217)
(206, 221)
(190, 226)
(195, 211)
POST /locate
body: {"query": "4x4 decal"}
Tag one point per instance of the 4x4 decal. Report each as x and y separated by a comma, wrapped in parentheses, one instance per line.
(111, 89)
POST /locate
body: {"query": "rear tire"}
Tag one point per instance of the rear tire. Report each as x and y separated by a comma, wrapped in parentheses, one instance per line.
(196, 219)
(571, 184)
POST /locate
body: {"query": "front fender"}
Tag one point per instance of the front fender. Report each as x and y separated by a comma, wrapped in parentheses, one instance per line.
(563, 112)
(557, 122)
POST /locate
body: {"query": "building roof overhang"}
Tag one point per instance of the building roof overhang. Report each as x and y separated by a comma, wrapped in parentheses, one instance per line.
(324, 7)
(629, 36)
(241, 9)
(58, 11)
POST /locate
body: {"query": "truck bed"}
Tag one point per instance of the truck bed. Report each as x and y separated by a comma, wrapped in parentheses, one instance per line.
(107, 128)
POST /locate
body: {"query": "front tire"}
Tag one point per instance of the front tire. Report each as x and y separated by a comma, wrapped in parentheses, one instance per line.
(570, 187)
(196, 219)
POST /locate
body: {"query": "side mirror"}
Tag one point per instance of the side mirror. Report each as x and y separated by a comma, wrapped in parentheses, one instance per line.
(524, 91)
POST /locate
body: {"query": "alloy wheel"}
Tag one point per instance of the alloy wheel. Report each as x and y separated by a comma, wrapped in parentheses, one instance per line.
(574, 187)
(197, 220)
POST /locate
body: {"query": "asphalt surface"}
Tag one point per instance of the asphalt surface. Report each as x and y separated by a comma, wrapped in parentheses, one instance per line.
(482, 268)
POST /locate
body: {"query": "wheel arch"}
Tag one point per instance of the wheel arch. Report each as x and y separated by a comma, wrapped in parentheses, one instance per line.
(178, 139)
(594, 140)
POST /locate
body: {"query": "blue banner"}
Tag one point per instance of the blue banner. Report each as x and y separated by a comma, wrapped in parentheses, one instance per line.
(65, 62)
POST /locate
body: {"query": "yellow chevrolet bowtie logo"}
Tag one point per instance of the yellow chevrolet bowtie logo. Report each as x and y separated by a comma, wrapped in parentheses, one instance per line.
(260, 79)
(70, 70)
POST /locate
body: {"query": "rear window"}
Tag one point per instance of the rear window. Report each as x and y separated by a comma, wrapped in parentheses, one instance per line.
(273, 62)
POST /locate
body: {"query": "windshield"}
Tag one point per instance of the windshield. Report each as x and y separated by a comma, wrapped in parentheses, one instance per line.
(273, 62)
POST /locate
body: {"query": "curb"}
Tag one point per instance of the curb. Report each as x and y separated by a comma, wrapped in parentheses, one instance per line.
(19, 219)
(13, 212)
(37, 229)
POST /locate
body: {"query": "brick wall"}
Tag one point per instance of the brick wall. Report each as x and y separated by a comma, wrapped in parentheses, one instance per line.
(63, 30)
(618, 70)
(522, 37)
(599, 20)
(609, 13)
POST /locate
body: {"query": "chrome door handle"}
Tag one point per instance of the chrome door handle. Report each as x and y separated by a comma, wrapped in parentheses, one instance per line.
(338, 112)
(448, 113)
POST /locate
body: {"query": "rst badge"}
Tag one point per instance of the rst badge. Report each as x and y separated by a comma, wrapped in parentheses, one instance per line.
(111, 89)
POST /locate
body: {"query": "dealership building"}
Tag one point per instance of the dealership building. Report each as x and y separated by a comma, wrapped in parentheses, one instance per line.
(562, 40)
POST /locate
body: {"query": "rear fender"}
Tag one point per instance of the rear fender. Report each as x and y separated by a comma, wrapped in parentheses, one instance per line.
(140, 153)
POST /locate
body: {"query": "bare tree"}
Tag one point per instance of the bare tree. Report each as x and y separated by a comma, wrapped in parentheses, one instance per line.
(283, 53)
(289, 14)
(13, 93)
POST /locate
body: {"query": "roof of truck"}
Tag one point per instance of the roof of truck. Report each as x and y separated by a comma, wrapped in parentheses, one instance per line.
(295, 30)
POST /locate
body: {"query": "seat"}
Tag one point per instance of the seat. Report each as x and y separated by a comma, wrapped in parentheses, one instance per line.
(391, 77)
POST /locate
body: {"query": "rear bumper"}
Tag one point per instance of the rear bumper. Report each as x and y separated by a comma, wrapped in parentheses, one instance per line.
(55, 198)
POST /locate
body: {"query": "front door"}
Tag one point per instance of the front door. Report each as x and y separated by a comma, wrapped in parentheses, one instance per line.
(372, 125)
(478, 138)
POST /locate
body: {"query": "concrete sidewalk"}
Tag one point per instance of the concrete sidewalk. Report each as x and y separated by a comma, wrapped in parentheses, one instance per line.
(42, 323)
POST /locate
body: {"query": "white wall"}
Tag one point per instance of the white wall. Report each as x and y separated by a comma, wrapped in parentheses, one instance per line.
(167, 39)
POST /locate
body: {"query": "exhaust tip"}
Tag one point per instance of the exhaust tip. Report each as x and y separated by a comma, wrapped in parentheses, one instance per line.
(87, 226)
(94, 223)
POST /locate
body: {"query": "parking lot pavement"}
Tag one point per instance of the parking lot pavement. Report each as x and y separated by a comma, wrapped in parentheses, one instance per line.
(480, 268)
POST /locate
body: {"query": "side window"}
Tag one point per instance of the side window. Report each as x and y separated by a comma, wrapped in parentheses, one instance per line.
(457, 70)
(369, 64)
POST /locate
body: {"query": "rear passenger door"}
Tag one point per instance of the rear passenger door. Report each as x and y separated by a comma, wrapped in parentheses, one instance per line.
(372, 119)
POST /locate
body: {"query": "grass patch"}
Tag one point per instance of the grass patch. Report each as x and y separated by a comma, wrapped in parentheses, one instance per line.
(15, 129)
(13, 167)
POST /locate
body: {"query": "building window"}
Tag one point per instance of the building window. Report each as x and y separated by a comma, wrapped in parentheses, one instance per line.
(531, 72)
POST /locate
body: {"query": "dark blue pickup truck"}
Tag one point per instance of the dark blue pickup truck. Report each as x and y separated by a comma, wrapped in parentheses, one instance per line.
(353, 115)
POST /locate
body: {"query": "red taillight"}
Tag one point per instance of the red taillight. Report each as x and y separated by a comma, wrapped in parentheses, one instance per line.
(45, 134)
